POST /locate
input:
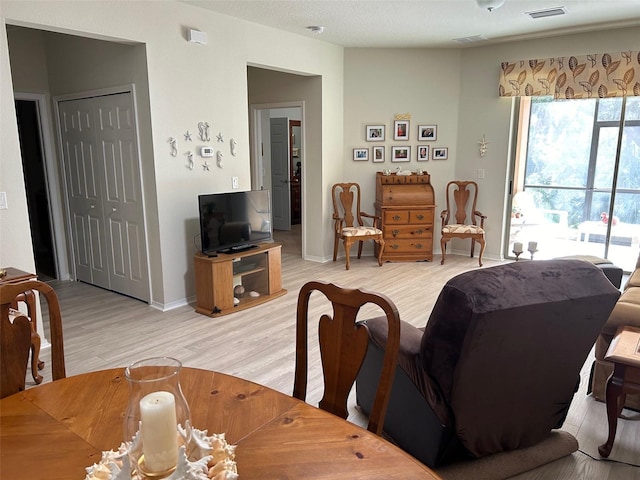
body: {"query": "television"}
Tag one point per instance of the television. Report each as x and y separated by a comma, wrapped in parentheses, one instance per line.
(234, 221)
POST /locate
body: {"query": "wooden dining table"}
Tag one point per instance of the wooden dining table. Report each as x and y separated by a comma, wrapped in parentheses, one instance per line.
(56, 430)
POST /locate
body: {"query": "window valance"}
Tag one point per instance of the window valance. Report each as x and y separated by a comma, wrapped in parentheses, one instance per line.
(587, 76)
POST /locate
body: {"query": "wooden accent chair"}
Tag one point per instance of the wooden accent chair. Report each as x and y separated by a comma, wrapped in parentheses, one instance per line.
(349, 225)
(15, 336)
(459, 198)
(343, 346)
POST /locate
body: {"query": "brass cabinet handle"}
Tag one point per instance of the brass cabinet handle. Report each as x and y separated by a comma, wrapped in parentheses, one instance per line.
(420, 216)
(395, 232)
(395, 246)
(396, 217)
(419, 246)
(420, 232)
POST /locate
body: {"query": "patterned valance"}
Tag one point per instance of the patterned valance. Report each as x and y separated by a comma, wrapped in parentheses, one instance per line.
(588, 76)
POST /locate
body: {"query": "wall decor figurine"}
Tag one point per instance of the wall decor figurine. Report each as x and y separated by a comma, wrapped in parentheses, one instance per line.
(187, 137)
(233, 144)
(483, 146)
(190, 163)
(203, 128)
(219, 158)
(205, 166)
(220, 137)
(173, 144)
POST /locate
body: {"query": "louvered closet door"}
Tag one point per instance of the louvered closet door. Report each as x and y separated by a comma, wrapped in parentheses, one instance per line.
(104, 188)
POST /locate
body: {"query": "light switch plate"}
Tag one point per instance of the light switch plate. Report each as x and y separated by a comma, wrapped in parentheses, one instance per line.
(3, 201)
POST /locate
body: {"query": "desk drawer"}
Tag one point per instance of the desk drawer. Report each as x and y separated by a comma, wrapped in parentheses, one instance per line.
(421, 216)
(407, 231)
(395, 245)
(396, 217)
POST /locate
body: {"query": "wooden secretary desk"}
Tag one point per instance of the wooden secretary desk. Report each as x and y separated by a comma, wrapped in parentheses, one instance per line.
(406, 205)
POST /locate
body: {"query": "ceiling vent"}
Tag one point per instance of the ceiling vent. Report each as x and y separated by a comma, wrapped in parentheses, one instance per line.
(548, 12)
(472, 39)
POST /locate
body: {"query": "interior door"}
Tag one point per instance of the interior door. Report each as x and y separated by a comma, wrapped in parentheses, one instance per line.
(280, 171)
(104, 191)
(84, 191)
(123, 207)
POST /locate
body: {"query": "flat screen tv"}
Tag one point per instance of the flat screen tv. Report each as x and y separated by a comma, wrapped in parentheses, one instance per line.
(234, 221)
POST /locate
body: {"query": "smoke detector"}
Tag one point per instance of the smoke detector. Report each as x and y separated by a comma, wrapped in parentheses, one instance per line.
(490, 5)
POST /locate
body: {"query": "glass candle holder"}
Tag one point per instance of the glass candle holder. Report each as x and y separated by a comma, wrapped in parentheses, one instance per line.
(157, 420)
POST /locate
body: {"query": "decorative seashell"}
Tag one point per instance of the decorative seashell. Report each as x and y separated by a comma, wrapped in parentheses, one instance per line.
(202, 458)
(253, 293)
(236, 301)
(238, 290)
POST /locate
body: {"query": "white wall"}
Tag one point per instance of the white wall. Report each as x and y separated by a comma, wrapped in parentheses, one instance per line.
(188, 83)
(380, 83)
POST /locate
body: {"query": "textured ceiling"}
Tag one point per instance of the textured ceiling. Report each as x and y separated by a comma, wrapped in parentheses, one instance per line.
(427, 23)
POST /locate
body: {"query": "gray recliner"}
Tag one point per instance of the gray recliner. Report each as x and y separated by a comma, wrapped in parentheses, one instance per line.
(498, 362)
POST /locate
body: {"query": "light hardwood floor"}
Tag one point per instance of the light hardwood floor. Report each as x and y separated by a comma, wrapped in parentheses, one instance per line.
(105, 330)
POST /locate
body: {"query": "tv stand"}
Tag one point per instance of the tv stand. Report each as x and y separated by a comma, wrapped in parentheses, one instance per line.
(258, 270)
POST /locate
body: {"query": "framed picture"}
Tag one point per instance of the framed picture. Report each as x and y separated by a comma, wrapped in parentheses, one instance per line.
(375, 133)
(440, 153)
(401, 130)
(423, 153)
(427, 133)
(400, 154)
(377, 155)
(361, 154)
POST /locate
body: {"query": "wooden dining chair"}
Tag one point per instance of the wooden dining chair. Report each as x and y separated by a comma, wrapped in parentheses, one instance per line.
(349, 225)
(343, 346)
(461, 211)
(15, 335)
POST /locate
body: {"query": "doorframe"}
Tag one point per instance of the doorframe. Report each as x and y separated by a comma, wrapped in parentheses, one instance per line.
(53, 182)
(255, 136)
(127, 88)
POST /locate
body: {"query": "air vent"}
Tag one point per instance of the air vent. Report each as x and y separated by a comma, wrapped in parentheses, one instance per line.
(472, 39)
(548, 12)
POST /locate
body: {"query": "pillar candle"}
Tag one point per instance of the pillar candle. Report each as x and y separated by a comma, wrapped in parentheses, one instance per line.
(517, 247)
(533, 246)
(158, 431)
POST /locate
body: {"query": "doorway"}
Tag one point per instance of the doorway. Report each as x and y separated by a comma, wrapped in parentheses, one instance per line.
(37, 189)
(263, 171)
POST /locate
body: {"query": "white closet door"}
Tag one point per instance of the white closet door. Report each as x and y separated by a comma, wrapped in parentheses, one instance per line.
(123, 206)
(115, 176)
(84, 175)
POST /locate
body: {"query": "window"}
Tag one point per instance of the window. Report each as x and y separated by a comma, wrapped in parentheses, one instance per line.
(575, 191)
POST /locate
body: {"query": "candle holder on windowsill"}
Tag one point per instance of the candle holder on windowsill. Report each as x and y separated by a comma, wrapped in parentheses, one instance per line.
(517, 254)
(532, 251)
